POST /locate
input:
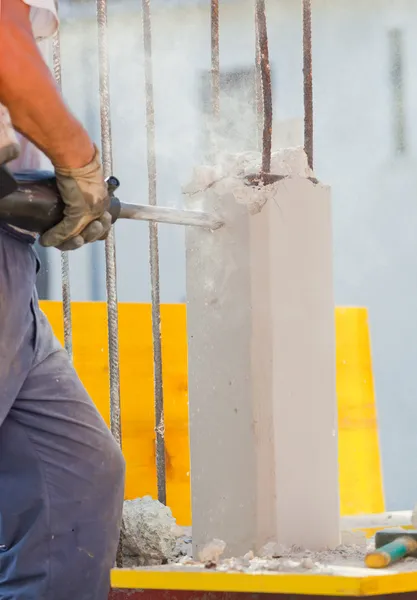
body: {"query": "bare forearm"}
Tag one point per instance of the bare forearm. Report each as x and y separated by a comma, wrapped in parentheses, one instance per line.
(36, 107)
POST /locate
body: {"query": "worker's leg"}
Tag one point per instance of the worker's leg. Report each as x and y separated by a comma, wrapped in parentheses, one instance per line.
(61, 479)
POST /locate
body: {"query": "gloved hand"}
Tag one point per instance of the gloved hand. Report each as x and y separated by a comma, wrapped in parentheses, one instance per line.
(86, 199)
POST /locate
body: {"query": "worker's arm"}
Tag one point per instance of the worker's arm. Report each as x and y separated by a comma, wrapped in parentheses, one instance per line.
(28, 90)
(37, 110)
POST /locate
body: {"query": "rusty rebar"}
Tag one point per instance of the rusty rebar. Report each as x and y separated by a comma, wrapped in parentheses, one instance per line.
(265, 69)
(308, 83)
(154, 257)
(258, 86)
(215, 58)
(65, 269)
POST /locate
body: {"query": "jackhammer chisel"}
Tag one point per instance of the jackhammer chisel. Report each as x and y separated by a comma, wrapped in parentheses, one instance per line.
(31, 200)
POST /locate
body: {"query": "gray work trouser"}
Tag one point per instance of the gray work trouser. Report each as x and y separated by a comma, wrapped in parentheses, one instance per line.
(61, 472)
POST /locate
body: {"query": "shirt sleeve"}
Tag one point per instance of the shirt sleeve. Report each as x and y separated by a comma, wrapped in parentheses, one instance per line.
(44, 18)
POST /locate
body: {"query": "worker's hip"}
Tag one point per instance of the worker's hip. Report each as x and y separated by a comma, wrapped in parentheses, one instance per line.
(17, 233)
(18, 268)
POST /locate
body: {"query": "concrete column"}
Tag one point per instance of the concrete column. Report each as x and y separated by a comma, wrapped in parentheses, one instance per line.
(262, 399)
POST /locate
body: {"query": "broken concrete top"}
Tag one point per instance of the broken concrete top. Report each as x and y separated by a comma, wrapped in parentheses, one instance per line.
(236, 174)
(289, 162)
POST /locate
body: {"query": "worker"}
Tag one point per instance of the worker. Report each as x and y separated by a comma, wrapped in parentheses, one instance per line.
(61, 471)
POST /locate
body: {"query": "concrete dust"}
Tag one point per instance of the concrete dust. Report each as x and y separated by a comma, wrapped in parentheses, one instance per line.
(346, 559)
(228, 178)
(274, 558)
(153, 539)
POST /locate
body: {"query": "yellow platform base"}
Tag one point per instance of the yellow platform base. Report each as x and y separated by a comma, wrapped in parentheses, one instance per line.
(343, 582)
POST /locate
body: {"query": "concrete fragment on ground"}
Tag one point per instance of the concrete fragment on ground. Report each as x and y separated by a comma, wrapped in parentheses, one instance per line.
(212, 551)
(150, 533)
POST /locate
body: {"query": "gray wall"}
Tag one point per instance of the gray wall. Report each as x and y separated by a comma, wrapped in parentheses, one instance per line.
(374, 187)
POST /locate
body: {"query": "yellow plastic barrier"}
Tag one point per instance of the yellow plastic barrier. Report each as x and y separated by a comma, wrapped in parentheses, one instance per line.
(361, 489)
(360, 472)
(137, 389)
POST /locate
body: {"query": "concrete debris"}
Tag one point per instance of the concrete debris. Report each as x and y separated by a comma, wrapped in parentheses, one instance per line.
(275, 557)
(307, 563)
(272, 550)
(151, 537)
(249, 556)
(212, 552)
(150, 533)
(230, 179)
(186, 560)
(289, 162)
(184, 545)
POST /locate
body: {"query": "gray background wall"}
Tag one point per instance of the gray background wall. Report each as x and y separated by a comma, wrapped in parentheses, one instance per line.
(365, 92)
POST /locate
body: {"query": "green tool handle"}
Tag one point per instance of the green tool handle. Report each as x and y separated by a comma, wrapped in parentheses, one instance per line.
(390, 553)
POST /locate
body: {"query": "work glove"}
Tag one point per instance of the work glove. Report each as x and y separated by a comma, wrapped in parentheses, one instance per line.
(86, 217)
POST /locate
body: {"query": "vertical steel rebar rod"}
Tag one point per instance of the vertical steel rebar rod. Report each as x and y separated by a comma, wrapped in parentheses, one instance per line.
(65, 273)
(154, 256)
(110, 247)
(111, 281)
(258, 86)
(215, 59)
(266, 85)
(308, 82)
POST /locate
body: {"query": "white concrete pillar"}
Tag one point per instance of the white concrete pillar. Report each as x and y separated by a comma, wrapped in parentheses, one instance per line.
(262, 397)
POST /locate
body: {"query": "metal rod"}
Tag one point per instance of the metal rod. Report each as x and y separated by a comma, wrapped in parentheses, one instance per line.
(154, 257)
(215, 58)
(111, 282)
(65, 272)
(258, 86)
(266, 86)
(164, 214)
(308, 82)
(110, 245)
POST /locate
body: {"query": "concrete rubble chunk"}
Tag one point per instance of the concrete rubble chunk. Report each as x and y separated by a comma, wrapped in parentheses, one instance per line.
(150, 533)
(212, 552)
(272, 550)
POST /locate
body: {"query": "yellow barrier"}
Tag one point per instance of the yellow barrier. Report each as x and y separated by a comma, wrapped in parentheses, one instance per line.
(137, 391)
(360, 473)
(361, 489)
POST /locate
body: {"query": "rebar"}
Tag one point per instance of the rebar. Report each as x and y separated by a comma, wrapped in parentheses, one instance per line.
(265, 69)
(65, 272)
(215, 59)
(154, 257)
(110, 250)
(258, 86)
(308, 83)
(110, 245)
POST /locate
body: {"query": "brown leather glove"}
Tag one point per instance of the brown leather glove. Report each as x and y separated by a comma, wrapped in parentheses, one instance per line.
(86, 217)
